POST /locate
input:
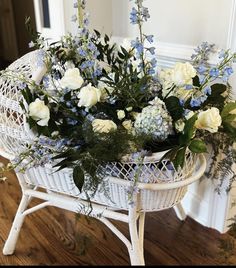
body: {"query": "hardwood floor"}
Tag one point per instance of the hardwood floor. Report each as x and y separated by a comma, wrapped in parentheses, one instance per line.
(53, 236)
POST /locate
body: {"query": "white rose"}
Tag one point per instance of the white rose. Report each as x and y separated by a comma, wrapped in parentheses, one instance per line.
(120, 114)
(179, 125)
(127, 124)
(103, 126)
(39, 112)
(165, 77)
(209, 120)
(72, 79)
(89, 96)
(189, 115)
(183, 74)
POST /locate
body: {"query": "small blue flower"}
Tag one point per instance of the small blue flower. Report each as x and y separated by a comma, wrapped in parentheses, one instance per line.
(152, 50)
(40, 58)
(86, 21)
(145, 13)
(207, 90)
(188, 87)
(181, 102)
(82, 52)
(228, 71)
(74, 18)
(76, 5)
(195, 102)
(97, 72)
(222, 54)
(134, 16)
(153, 62)
(138, 46)
(22, 85)
(201, 69)
(74, 110)
(151, 71)
(46, 81)
(214, 72)
(203, 98)
(149, 38)
(68, 104)
(91, 46)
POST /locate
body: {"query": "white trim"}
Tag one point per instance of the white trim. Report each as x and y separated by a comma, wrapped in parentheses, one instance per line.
(231, 40)
(57, 19)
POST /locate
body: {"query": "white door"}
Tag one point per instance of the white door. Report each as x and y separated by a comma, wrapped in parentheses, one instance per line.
(50, 18)
(8, 42)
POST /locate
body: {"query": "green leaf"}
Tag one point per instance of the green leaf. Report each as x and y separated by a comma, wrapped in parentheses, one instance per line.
(124, 51)
(227, 109)
(216, 99)
(174, 107)
(97, 33)
(188, 131)
(196, 81)
(179, 158)
(106, 38)
(229, 129)
(78, 177)
(198, 146)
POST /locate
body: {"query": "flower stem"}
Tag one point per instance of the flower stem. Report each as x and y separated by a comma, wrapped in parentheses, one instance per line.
(80, 14)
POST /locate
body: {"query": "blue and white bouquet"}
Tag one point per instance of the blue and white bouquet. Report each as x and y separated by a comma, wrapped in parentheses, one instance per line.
(99, 101)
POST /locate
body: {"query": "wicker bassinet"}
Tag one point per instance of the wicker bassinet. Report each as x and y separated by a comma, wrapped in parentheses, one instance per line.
(160, 186)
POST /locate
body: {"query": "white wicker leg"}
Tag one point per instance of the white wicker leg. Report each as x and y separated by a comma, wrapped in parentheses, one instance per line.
(141, 231)
(135, 253)
(10, 244)
(179, 210)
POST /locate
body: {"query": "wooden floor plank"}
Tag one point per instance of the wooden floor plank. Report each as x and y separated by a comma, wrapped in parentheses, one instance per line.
(53, 236)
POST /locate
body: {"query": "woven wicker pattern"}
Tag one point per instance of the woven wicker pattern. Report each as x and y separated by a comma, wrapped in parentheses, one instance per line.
(13, 128)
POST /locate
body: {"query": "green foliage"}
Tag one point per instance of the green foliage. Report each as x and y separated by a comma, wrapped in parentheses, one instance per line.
(174, 107)
(216, 98)
(188, 132)
(78, 177)
(198, 146)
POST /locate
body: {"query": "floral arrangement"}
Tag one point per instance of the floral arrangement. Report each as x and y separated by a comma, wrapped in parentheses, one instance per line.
(99, 101)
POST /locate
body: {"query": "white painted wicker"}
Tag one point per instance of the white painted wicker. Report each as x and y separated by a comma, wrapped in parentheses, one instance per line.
(165, 187)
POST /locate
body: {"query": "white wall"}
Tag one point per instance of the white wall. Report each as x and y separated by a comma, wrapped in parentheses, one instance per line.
(100, 15)
(187, 22)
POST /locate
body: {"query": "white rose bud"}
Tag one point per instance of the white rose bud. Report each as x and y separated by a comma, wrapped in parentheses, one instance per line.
(189, 115)
(183, 74)
(209, 120)
(127, 124)
(179, 125)
(103, 126)
(120, 114)
(39, 112)
(129, 109)
(72, 79)
(89, 96)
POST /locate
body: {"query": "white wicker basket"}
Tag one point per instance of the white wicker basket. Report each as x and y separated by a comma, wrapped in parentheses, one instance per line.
(117, 187)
